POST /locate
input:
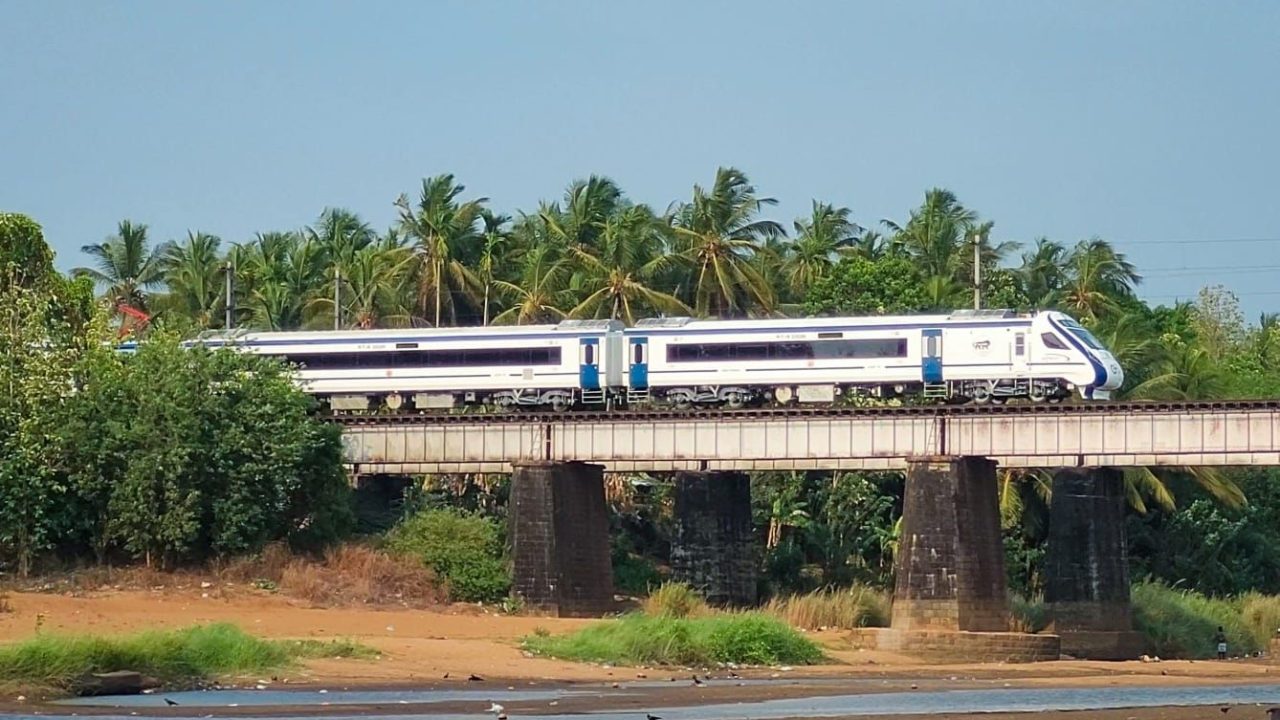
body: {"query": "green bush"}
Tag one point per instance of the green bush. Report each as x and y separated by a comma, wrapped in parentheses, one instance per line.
(1181, 623)
(461, 548)
(53, 663)
(636, 639)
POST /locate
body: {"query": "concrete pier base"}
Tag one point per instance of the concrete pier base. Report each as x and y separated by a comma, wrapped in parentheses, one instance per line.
(1087, 566)
(714, 548)
(949, 571)
(559, 528)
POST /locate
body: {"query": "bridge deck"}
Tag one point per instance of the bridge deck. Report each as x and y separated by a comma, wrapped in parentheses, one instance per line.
(1108, 434)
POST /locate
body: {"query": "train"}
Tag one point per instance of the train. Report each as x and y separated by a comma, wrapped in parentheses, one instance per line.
(978, 356)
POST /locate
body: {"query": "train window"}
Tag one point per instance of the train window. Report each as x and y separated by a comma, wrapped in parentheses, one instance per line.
(590, 354)
(428, 358)
(1052, 341)
(1019, 344)
(816, 350)
(637, 353)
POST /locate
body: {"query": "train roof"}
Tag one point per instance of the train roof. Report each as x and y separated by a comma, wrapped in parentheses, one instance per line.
(567, 327)
(967, 316)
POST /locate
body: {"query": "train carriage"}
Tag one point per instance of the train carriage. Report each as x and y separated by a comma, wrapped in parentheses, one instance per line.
(979, 355)
(574, 362)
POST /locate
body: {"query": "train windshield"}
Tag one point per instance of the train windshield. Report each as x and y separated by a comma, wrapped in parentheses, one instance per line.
(1083, 335)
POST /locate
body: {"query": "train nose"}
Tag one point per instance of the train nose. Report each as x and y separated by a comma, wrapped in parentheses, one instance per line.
(1115, 374)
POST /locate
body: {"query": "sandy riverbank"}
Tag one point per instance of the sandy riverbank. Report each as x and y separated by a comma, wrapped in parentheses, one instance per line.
(420, 647)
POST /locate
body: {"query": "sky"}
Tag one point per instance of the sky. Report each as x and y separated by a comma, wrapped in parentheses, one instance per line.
(1151, 124)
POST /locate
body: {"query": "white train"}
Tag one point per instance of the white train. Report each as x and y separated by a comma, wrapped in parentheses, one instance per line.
(979, 356)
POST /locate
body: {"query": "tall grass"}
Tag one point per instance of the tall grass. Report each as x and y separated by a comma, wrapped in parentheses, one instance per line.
(1181, 623)
(849, 608)
(745, 638)
(1027, 615)
(54, 663)
(675, 600)
(1261, 616)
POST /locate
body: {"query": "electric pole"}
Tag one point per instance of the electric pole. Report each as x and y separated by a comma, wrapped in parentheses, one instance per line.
(337, 298)
(229, 322)
(977, 272)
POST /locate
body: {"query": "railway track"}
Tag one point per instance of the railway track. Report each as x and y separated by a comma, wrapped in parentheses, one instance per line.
(668, 414)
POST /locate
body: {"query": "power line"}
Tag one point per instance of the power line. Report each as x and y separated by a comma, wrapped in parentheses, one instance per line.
(1196, 241)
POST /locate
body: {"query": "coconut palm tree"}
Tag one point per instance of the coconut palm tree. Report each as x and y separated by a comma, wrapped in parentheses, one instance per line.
(936, 233)
(819, 239)
(279, 274)
(372, 294)
(492, 255)
(1043, 272)
(717, 233)
(1096, 275)
(195, 273)
(588, 204)
(618, 275)
(126, 265)
(538, 293)
(447, 234)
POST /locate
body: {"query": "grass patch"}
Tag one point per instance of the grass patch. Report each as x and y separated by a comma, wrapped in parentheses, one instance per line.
(636, 639)
(675, 600)
(1181, 623)
(849, 608)
(52, 664)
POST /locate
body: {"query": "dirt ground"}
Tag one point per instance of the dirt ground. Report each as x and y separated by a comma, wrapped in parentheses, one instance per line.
(440, 648)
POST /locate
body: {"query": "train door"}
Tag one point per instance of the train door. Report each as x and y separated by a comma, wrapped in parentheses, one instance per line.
(589, 363)
(1018, 352)
(638, 359)
(931, 356)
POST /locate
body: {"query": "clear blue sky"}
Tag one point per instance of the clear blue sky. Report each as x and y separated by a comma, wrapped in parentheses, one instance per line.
(1140, 122)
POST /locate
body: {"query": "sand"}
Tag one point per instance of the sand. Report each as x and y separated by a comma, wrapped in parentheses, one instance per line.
(420, 647)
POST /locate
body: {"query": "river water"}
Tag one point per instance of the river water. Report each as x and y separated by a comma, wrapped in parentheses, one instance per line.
(202, 704)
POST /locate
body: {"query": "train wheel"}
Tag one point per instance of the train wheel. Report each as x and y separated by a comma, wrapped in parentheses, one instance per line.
(734, 400)
(981, 393)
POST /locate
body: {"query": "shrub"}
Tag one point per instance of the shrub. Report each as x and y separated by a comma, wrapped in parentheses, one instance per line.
(636, 639)
(1181, 623)
(55, 662)
(675, 600)
(850, 608)
(461, 548)
(1027, 615)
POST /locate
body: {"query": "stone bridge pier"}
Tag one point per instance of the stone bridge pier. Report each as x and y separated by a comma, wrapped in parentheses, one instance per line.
(950, 599)
(559, 534)
(714, 548)
(1087, 566)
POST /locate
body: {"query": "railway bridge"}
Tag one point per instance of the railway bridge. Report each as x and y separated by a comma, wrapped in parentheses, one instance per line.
(949, 569)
